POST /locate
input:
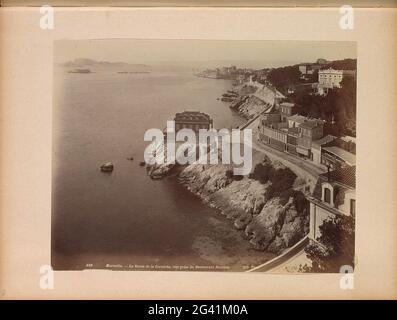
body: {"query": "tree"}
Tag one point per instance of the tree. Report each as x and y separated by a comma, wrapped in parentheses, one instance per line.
(231, 175)
(345, 64)
(335, 246)
(338, 107)
(285, 76)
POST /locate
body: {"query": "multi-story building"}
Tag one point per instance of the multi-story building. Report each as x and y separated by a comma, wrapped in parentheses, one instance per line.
(304, 137)
(310, 130)
(192, 120)
(310, 68)
(293, 134)
(333, 195)
(307, 69)
(330, 79)
(287, 109)
(295, 120)
(304, 68)
(272, 130)
(316, 149)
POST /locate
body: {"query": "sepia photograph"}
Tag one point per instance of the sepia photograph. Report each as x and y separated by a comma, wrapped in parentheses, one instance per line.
(204, 155)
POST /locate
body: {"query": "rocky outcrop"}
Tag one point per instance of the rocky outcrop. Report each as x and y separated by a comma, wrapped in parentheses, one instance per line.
(268, 223)
(277, 226)
(254, 99)
(159, 171)
(250, 106)
(268, 94)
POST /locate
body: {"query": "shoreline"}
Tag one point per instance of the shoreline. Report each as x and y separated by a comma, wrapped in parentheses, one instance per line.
(269, 224)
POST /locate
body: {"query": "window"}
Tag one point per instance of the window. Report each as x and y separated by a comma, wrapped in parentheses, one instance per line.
(327, 195)
(352, 206)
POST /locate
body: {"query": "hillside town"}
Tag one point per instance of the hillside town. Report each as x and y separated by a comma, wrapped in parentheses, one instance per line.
(300, 135)
(305, 115)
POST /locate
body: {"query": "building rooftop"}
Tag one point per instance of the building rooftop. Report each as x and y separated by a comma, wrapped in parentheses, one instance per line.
(328, 138)
(192, 116)
(310, 124)
(348, 139)
(294, 130)
(297, 118)
(272, 109)
(349, 72)
(287, 104)
(330, 70)
(345, 176)
(347, 156)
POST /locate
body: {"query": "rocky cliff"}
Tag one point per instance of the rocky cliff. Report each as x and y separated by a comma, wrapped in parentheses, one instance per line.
(249, 106)
(271, 223)
(254, 99)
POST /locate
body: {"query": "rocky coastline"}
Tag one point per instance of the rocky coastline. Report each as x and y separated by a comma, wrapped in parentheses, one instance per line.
(273, 215)
(271, 222)
(251, 99)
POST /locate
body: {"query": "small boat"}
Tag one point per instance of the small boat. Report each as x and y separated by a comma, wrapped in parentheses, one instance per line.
(107, 167)
(156, 177)
(142, 163)
(227, 99)
(130, 158)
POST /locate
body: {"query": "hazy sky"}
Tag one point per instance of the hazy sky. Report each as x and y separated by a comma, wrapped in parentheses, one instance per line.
(192, 52)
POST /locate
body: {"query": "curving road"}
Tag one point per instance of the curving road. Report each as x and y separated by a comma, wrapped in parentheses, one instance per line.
(303, 168)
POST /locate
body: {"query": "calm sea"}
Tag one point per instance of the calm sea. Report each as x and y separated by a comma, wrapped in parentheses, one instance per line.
(125, 220)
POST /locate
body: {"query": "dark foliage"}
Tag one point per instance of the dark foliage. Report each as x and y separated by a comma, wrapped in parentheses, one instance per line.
(345, 64)
(262, 172)
(338, 107)
(299, 200)
(337, 246)
(231, 175)
(285, 76)
(281, 179)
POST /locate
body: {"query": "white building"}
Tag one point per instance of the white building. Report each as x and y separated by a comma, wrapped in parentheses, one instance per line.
(334, 194)
(330, 78)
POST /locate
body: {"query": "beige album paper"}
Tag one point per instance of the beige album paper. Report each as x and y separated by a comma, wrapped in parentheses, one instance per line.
(197, 153)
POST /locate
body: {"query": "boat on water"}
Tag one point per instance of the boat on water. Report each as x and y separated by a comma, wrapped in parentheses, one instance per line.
(227, 99)
(80, 71)
(107, 167)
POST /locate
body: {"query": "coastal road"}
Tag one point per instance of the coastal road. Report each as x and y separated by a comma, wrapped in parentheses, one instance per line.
(301, 167)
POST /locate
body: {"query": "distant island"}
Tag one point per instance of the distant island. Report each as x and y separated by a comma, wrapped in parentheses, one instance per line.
(79, 64)
(80, 71)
